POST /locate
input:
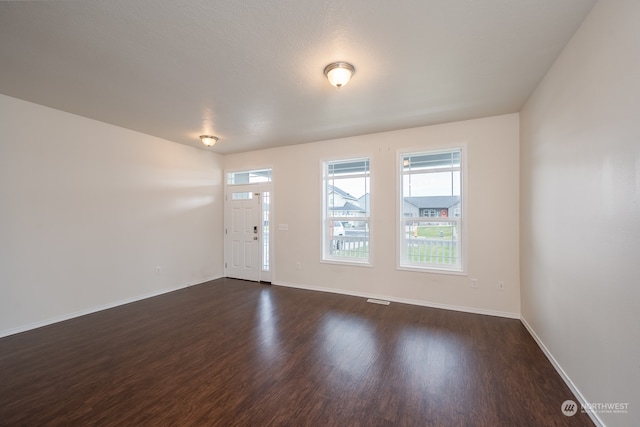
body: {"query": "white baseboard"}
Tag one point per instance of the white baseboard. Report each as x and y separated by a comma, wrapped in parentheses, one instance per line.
(95, 309)
(402, 300)
(582, 401)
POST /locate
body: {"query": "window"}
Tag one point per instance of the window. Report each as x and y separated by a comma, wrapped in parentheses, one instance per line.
(431, 210)
(249, 177)
(266, 208)
(346, 208)
(242, 195)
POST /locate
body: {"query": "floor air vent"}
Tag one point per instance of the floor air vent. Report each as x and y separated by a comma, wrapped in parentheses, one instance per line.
(378, 301)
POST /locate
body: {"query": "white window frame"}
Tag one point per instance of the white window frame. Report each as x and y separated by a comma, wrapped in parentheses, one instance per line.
(327, 257)
(402, 264)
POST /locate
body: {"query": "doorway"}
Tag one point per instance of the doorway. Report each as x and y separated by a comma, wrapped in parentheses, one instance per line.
(248, 241)
(242, 235)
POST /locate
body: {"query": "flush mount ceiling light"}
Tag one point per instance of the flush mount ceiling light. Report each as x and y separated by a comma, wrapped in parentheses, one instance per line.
(339, 73)
(208, 140)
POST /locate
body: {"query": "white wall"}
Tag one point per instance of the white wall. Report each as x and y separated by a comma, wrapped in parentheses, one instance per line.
(580, 205)
(492, 215)
(89, 210)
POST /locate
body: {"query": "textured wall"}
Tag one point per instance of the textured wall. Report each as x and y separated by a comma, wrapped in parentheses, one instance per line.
(491, 220)
(89, 210)
(580, 226)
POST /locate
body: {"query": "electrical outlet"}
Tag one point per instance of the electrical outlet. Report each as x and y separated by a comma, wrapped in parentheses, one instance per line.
(298, 265)
(501, 285)
(474, 283)
(158, 271)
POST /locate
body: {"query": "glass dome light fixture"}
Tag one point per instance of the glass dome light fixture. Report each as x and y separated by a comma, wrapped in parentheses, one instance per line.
(209, 140)
(339, 73)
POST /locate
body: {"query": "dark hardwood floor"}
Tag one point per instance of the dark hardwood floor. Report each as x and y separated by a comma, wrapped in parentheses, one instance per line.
(234, 353)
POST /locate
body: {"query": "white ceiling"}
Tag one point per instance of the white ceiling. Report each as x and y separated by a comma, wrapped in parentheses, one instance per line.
(250, 71)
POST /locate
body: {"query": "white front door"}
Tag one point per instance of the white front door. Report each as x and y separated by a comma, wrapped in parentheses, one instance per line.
(243, 234)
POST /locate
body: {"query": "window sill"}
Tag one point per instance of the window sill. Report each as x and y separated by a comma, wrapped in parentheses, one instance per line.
(432, 270)
(347, 262)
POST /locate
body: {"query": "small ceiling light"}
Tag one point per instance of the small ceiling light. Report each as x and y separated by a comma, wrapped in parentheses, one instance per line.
(209, 140)
(339, 73)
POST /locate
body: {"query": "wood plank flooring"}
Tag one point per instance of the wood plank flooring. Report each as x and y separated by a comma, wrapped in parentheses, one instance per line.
(234, 353)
